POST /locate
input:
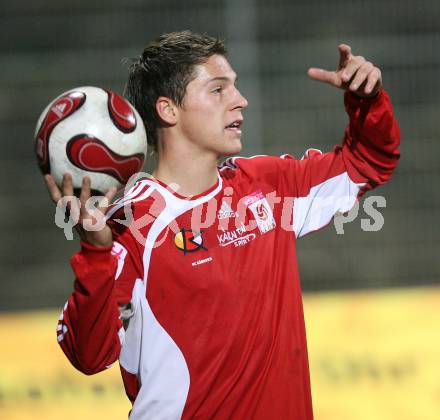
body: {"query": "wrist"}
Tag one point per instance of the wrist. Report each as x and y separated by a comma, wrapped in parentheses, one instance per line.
(90, 247)
(97, 238)
(372, 95)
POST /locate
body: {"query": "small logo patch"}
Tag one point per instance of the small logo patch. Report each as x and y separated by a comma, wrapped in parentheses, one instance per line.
(225, 211)
(260, 208)
(189, 241)
(120, 253)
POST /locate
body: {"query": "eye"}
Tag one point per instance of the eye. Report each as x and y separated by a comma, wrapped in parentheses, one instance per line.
(218, 89)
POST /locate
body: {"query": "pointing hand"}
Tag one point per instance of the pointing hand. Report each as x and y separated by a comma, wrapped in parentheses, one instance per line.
(354, 73)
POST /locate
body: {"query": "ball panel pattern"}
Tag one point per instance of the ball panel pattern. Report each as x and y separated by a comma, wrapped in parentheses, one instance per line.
(92, 154)
(62, 108)
(121, 113)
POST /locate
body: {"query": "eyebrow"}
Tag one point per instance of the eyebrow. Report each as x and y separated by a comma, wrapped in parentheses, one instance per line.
(222, 79)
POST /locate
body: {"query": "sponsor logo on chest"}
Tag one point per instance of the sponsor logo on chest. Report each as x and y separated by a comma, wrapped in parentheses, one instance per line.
(237, 237)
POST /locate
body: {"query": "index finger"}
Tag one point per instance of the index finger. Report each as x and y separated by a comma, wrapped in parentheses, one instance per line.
(344, 54)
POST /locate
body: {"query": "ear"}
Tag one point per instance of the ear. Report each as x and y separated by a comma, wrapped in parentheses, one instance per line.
(167, 110)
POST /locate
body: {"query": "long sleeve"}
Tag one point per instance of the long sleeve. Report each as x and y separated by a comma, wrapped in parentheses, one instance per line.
(371, 139)
(322, 185)
(89, 324)
(330, 183)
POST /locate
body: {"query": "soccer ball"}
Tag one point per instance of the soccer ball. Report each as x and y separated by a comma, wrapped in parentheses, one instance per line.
(94, 132)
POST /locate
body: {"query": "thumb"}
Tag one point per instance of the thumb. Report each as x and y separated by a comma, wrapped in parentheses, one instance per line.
(325, 76)
(107, 199)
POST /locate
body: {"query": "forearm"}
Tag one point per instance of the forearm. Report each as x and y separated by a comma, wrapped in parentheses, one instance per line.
(88, 330)
(371, 140)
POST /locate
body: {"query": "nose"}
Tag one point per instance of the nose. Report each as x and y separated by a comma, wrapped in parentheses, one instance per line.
(240, 101)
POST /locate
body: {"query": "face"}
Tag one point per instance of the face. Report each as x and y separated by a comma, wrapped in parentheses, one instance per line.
(210, 118)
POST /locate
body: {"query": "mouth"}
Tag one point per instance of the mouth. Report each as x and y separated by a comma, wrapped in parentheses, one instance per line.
(235, 126)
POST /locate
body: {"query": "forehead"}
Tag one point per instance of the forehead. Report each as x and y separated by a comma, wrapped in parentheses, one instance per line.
(217, 66)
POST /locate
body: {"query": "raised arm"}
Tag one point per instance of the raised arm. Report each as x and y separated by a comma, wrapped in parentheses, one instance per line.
(327, 184)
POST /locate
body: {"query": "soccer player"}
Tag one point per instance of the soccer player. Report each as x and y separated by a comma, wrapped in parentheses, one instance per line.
(196, 292)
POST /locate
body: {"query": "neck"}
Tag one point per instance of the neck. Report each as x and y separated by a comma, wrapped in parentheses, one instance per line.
(192, 171)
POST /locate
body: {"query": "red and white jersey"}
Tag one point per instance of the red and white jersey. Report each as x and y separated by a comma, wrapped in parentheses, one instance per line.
(200, 297)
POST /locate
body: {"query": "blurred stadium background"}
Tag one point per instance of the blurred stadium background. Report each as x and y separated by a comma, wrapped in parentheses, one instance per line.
(372, 299)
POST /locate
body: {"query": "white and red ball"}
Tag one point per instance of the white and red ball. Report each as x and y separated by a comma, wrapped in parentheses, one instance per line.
(94, 132)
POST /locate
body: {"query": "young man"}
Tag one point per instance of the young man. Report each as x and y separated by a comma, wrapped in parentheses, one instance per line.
(200, 299)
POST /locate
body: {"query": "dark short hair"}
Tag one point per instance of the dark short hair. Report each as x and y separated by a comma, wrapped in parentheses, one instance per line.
(165, 68)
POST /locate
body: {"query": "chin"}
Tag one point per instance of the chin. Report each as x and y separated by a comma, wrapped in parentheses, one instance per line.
(234, 148)
(230, 152)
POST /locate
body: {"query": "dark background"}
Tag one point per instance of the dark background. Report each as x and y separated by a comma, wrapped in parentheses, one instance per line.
(50, 46)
